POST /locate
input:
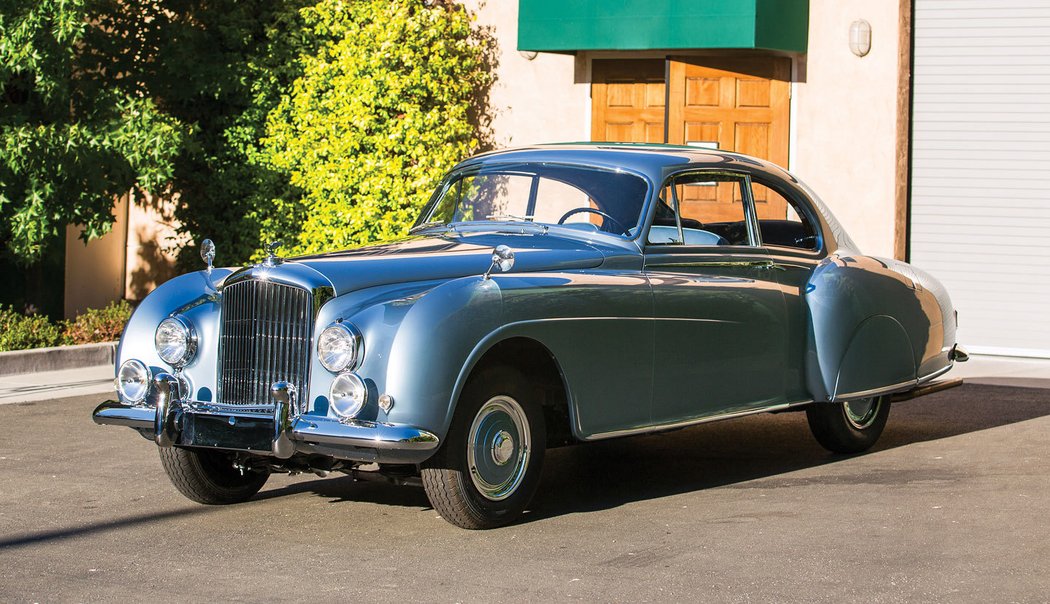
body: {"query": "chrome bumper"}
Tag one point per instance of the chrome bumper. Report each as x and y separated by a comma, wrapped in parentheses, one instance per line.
(173, 422)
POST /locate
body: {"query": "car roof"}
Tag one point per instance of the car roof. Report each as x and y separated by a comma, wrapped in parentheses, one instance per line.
(658, 161)
(653, 160)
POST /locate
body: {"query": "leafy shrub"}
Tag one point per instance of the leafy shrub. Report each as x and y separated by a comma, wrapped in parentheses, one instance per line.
(21, 332)
(392, 98)
(18, 331)
(98, 325)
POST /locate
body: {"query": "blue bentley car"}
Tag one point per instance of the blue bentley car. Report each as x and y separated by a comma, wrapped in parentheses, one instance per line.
(546, 296)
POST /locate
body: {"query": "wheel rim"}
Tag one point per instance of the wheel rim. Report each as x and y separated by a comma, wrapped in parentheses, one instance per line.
(498, 448)
(861, 412)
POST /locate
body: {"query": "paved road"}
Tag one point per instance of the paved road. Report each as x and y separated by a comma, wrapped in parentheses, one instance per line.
(951, 506)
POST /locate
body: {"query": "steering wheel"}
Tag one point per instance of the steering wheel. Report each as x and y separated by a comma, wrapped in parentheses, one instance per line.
(605, 217)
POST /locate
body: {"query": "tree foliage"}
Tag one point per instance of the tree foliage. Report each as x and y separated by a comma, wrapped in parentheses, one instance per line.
(322, 123)
(393, 97)
(75, 131)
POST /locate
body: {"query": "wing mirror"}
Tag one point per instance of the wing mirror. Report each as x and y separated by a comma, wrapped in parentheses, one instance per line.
(208, 253)
(502, 259)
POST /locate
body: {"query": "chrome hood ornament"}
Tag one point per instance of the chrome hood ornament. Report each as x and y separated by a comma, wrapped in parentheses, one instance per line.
(272, 259)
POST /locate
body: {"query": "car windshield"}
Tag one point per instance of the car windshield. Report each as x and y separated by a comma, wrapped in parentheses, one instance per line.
(579, 197)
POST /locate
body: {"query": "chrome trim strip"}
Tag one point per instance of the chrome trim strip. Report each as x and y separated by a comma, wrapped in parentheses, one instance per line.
(935, 374)
(695, 421)
(203, 408)
(838, 398)
(765, 263)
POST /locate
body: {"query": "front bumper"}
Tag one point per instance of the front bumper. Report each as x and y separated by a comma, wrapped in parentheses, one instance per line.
(173, 422)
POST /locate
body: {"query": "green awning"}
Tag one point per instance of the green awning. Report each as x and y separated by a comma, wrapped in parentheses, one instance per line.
(571, 25)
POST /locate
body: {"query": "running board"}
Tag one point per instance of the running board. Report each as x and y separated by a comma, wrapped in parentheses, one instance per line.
(925, 389)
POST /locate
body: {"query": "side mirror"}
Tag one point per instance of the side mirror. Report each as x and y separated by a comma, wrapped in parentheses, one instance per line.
(208, 253)
(502, 259)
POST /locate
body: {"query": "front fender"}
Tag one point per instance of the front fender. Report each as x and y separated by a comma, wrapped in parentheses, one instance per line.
(192, 295)
(421, 344)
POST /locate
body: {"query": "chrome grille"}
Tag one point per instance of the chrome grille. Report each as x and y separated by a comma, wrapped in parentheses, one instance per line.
(265, 339)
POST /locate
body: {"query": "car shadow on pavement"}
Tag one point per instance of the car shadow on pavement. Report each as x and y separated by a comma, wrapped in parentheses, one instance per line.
(608, 474)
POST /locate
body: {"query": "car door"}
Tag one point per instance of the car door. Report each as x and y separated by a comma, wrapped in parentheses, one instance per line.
(720, 318)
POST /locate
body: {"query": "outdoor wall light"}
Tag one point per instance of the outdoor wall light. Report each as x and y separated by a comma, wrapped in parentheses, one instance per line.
(860, 37)
(528, 55)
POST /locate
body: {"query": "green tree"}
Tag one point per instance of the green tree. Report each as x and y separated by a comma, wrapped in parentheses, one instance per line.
(77, 130)
(222, 66)
(393, 97)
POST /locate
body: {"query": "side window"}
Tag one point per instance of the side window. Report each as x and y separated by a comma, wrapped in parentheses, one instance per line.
(780, 222)
(701, 209)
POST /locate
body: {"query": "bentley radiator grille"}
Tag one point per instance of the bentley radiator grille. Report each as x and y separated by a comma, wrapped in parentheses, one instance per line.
(265, 339)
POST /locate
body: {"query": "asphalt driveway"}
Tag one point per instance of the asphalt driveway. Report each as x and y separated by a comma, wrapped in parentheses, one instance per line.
(951, 506)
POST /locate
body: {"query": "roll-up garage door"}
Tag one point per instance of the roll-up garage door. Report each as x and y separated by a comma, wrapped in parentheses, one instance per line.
(980, 205)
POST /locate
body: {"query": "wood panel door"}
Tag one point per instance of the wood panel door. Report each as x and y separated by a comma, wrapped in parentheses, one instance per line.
(627, 100)
(736, 104)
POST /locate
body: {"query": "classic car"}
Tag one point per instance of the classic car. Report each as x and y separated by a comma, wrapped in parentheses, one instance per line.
(546, 296)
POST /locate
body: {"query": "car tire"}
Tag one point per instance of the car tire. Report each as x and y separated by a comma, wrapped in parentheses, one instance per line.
(209, 477)
(849, 427)
(483, 477)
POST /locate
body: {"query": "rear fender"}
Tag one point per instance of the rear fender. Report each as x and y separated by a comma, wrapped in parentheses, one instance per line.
(869, 324)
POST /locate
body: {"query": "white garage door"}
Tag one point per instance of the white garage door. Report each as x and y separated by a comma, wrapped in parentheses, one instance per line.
(980, 215)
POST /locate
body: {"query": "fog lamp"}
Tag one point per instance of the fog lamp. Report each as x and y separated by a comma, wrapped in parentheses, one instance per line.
(347, 395)
(132, 381)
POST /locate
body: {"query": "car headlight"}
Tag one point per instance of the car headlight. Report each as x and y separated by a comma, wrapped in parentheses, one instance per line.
(176, 341)
(348, 395)
(339, 347)
(133, 379)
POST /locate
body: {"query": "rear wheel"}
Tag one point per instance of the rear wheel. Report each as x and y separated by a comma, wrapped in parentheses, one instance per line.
(489, 466)
(209, 476)
(849, 427)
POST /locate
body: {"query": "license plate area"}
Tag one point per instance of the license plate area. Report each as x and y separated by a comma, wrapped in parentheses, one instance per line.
(235, 432)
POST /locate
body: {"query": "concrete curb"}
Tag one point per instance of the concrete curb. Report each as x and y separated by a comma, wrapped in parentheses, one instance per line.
(57, 358)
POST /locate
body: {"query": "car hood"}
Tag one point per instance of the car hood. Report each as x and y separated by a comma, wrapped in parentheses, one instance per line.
(447, 257)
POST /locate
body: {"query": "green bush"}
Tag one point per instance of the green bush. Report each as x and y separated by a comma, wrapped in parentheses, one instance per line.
(393, 97)
(98, 325)
(18, 331)
(21, 332)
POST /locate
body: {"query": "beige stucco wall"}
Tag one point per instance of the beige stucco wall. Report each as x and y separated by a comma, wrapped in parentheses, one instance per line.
(95, 270)
(535, 101)
(152, 245)
(844, 119)
(128, 262)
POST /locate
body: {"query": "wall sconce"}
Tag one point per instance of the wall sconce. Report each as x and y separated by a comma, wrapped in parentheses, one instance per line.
(528, 55)
(860, 37)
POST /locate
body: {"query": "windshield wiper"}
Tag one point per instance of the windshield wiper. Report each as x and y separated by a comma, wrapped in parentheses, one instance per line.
(510, 216)
(426, 225)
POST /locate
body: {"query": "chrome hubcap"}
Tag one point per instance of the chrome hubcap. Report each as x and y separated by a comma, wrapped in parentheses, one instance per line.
(502, 448)
(498, 448)
(861, 412)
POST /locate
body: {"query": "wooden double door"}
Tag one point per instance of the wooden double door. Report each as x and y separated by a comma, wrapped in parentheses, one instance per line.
(737, 104)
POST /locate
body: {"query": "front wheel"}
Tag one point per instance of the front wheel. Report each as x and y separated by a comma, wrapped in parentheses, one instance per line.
(849, 427)
(489, 467)
(209, 476)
